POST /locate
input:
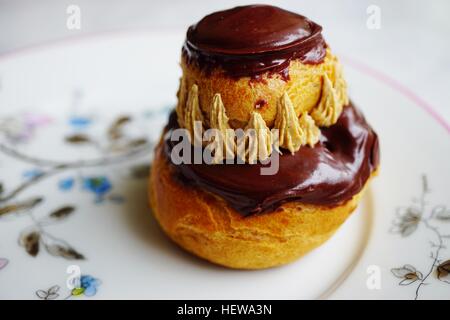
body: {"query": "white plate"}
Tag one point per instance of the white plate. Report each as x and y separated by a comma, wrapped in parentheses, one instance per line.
(76, 89)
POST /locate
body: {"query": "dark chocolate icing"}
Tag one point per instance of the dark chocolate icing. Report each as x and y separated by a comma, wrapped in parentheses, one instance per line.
(329, 174)
(251, 40)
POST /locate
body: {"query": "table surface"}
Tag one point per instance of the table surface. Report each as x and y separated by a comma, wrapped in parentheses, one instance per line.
(411, 45)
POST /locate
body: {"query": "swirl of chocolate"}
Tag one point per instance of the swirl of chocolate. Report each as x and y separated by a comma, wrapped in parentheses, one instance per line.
(252, 40)
(330, 173)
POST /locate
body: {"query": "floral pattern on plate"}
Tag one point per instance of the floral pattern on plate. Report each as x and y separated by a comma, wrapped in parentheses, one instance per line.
(87, 287)
(117, 148)
(408, 220)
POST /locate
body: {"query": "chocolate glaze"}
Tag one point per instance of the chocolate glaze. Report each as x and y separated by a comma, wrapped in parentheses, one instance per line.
(328, 174)
(251, 40)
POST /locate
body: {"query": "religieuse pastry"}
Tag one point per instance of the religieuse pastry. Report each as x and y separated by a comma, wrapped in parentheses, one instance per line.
(267, 71)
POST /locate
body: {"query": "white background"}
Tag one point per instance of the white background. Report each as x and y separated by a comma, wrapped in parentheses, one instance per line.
(412, 45)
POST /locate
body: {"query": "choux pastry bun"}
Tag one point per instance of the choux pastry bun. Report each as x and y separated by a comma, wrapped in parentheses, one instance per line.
(292, 155)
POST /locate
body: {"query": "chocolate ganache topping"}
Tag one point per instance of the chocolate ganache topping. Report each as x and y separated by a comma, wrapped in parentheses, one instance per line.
(328, 174)
(251, 40)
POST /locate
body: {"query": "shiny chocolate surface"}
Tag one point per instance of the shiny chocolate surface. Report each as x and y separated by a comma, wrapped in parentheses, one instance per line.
(330, 173)
(252, 40)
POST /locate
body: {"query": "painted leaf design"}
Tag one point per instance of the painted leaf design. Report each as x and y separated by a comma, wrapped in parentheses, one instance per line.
(77, 291)
(137, 142)
(414, 275)
(115, 129)
(8, 209)
(42, 294)
(53, 289)
(62, 212)
(407, 221)
(53, 293)
(78, 138)
(64, 251)
(32, 203)
(30, 241)
(403, 271)
(408, 229)
(20, 206)
(408, 274)
(50, 294)
(443, 271)
(409, 279)
(126, 145)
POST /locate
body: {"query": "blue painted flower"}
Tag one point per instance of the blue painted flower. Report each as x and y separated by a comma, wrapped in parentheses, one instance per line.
(32, 173)
(88, 286)
(66, 183)
(99, 185)
(79, 122)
